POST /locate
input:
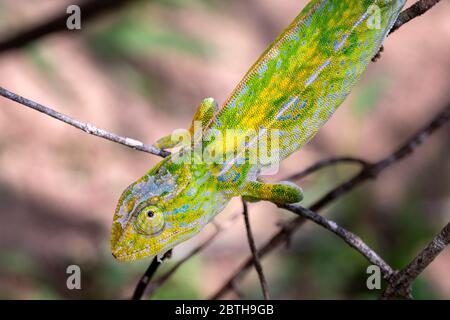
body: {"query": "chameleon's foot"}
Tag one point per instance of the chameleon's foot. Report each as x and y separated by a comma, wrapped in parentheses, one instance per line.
(377, 56)
(160, 257)
(205, 112)
(279, 193)
(168, 142)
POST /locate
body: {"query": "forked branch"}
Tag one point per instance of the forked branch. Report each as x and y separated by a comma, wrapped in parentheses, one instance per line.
(401, 282)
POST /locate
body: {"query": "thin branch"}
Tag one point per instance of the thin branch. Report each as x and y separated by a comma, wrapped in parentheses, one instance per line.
(350, 238)
(326, 163)
(401, 282)
(416, 10)
(85, 126)
(90, 9)
(367, 173)
(373, 170)
(148, 275)
(153, 286)
(254, 251)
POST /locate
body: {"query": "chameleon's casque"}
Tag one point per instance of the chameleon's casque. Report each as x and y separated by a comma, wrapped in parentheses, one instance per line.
(288, 94)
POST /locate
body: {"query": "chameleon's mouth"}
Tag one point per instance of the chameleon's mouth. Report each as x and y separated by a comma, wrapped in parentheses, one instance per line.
(124, 244)
(125, 256)
(128, 245)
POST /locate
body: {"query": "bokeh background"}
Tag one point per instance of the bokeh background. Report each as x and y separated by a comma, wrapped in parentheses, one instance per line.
(140, 71)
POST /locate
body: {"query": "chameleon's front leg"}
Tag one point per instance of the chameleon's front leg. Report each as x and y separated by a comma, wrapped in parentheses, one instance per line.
(203, 115)
(280, 193)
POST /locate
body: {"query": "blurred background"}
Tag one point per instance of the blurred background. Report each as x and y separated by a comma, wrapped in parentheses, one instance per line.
(140, 70)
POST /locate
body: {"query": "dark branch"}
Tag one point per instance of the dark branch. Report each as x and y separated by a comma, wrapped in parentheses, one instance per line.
(401, 282)
(90, 9)
(351, 239)
(254, 251)
(417, 9)
(153, 286)
(326, 163)
(373, 170)
(85, 126)
(367, 173)
(148, 275)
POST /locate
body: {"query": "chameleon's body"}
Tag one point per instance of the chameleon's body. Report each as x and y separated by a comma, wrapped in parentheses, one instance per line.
(292, 90)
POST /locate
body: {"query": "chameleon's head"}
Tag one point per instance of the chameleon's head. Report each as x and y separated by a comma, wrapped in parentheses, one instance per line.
(144, 222)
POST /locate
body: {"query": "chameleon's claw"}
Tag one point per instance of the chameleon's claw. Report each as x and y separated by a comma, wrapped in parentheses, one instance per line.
(160, 257)
(205, 112)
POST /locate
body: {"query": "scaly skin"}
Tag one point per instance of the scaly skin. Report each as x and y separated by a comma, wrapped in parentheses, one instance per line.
(288, 94)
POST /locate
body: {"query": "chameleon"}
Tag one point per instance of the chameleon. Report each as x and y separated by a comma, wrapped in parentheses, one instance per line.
(283, 100)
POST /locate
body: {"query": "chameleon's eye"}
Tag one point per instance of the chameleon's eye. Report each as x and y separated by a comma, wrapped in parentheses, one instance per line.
(149, 221)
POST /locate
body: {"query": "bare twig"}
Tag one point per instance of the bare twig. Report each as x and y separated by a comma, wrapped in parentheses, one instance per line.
(351, 239)
(153, 286)
(326, 163)
(254, 251)
(85, 126)
(367, 173)
(400, 284)
(148, 275)
(90, 9)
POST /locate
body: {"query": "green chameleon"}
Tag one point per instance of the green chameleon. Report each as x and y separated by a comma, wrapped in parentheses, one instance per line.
(282, 101)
